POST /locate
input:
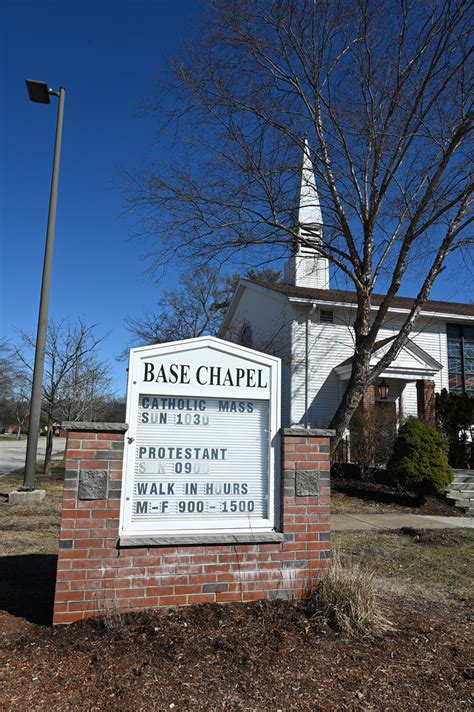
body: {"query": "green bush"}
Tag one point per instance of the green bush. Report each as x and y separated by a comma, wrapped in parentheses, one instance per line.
(419, 460)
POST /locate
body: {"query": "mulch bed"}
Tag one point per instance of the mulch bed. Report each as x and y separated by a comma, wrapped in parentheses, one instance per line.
(258, 656)
(380, 494)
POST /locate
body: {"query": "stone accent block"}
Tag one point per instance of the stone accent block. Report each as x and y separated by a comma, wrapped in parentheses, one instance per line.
(215, 587)
(307, 483)
(92, 484)
(295, 564)
(65, 543)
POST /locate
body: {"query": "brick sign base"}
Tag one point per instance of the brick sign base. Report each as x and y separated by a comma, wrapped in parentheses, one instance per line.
(96, 576)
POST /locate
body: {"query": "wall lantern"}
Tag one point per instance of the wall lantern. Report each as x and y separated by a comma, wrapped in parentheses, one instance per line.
(383, 390)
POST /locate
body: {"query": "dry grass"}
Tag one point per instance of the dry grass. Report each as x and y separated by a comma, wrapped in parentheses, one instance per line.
(26, 530)
(348, 599)
(434, 564)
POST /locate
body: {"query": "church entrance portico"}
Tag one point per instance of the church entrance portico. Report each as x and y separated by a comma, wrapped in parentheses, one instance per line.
(391, 399)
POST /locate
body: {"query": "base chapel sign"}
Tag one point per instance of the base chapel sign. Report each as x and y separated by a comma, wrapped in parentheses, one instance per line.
(202, 449)
(200, 497)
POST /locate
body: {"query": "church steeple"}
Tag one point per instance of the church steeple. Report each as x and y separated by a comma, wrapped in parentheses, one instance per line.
(307, 268)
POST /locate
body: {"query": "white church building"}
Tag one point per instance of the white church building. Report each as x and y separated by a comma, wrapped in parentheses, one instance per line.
(309, 325)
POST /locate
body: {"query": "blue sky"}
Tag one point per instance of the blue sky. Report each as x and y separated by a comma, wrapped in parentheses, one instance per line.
(106, 55)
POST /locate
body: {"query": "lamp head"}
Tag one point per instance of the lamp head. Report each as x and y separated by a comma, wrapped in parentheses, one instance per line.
(383, 390)
(38, 91)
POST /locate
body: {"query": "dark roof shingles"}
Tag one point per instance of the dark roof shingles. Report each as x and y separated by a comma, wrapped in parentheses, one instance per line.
(341, 295)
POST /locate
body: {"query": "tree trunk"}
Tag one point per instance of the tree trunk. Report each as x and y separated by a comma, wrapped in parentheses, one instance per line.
(358, 383)
(49, 449)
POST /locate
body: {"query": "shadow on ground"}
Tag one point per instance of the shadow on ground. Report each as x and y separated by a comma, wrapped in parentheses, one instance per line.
(358, 492)
(27, 586)
(374, 492)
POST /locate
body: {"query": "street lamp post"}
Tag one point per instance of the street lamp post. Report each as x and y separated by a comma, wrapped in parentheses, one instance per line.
(39, 92)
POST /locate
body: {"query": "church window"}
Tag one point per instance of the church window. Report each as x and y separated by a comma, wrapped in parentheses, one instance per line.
(461, 358)
(246, 336)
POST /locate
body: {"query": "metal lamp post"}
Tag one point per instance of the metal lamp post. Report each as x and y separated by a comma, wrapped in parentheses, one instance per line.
(39, 92)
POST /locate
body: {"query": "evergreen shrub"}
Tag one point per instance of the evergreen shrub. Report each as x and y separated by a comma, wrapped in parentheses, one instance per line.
(419, 461)
(455, 414)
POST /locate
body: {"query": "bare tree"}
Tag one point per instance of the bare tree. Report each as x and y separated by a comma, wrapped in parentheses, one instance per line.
(7, 379)
(84, 390)
(191, 310)
(382, 92)
(195, 309)
(14, 389)
(74, 379)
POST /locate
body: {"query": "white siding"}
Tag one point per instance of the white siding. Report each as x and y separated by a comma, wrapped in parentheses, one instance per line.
(329, 344)
(268, 315)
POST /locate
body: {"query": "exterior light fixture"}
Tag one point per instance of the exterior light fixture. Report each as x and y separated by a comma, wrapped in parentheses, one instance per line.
(38, 91)
(383, 390)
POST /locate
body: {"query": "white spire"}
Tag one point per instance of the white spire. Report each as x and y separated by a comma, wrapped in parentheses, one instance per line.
(309, 212)
(306, 268)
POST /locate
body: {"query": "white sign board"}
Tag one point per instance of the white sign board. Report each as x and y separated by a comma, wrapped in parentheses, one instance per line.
(202, 448)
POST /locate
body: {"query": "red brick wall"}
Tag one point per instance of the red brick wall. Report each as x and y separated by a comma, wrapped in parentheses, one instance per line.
(425, 393)
(96, 577)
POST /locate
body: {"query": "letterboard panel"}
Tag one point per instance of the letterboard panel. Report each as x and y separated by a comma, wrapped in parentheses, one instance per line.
(198, 460)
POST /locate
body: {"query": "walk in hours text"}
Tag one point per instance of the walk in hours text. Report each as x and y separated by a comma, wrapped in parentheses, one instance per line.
(200, 457)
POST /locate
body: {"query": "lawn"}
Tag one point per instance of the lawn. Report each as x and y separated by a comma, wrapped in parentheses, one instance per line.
(27, 530)
(434, 564)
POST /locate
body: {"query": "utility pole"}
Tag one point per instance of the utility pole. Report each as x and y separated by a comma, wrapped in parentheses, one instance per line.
(40, 93)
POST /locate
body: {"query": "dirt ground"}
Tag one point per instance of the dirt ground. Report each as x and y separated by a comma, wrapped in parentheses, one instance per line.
(259, 656)
(240, 657)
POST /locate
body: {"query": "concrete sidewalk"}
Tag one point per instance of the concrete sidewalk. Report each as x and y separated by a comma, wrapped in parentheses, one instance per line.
(364, 522)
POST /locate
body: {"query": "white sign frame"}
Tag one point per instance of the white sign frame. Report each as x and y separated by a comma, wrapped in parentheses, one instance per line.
(203, 350)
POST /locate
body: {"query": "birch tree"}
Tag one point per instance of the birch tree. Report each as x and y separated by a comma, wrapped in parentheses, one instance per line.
(382, 91)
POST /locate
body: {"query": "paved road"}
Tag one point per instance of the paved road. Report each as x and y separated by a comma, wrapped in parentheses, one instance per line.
(365, 522)
(12, 452)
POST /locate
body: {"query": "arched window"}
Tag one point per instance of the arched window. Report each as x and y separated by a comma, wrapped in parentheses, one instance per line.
(246, 336)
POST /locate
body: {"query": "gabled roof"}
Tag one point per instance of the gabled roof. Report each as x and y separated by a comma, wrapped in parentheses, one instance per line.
(347, 297)
(378, 345)
(412, 362)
